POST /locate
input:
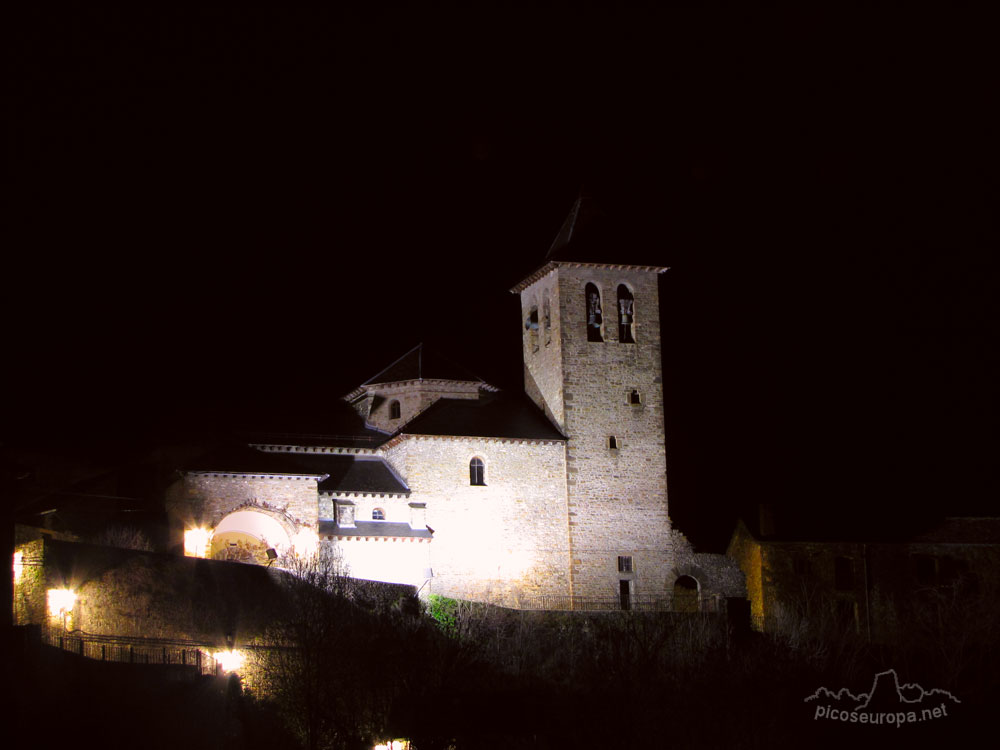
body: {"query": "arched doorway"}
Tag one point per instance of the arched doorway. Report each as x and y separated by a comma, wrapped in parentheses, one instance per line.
(686, 594)
(246, 535)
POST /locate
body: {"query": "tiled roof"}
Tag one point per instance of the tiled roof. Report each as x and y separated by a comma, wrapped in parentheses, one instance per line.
(499, 415)
(340, 473)
(421, 363)
(374, 529)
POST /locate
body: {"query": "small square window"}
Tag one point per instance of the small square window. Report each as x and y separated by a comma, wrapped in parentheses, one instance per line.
(624, 563)
(634, 398)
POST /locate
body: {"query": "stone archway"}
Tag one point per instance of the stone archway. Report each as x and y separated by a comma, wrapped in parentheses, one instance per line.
(686, 594)
(245, 536)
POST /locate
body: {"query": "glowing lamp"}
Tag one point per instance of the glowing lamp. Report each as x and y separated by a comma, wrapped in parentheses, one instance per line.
(61, 601)
(196, 542)
(18, 566)
(230, 661)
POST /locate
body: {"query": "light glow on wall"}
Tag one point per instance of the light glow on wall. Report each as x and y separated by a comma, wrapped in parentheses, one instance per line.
(61, 601)
(197, 542)
(230, 661)
(305, 543)
(18, 566)
(393, 745)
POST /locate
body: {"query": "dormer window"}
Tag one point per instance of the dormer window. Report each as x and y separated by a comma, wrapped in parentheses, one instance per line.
(626, 315)
(477, 473)
(595, 320)
(394, 410)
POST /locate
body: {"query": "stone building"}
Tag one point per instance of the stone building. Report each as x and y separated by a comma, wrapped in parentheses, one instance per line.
(877, 586)
(555, 498)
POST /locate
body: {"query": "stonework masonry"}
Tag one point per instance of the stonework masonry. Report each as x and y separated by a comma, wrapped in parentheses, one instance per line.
(203, 500)
(505, 541)
(617, 494)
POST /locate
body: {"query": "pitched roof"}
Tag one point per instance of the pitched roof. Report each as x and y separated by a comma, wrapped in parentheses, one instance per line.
(602, 232)
(422, 363)
(374, 528)
(498, 415)
(336, 472)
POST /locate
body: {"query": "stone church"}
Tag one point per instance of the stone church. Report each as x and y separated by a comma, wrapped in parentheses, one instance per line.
(555, 498)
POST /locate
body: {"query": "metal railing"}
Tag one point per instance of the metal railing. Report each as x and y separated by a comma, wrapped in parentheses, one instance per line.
(707, 603)
(188, 655)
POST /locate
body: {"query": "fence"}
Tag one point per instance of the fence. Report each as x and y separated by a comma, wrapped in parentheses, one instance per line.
(706, 603)
(196, 657)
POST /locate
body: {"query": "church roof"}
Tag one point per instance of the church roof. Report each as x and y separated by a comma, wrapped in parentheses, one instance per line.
(336, 472)
(501, 415)
(604, 234)
(374, 529)
(422, 363)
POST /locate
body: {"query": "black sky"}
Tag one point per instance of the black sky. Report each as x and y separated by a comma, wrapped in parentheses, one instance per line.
(223, 214)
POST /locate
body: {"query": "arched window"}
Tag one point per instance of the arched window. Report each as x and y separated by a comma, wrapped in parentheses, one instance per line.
(531, 326)
(477, 472)
(547, 317)
(595, 321)
(626, 315)
(394, 410)
(378, 514)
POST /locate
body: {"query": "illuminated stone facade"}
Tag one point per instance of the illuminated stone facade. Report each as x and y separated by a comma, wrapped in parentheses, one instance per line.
(556, 498)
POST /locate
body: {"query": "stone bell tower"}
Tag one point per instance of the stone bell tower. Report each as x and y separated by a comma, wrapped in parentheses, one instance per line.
(591, 347)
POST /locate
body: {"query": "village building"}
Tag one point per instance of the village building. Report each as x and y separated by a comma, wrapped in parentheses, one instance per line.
(555, 498)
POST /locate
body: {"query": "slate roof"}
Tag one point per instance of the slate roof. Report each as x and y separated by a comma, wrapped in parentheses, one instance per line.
(341, 473)
(421, 363)
(498, 415)
(374, 528)
(599, 231)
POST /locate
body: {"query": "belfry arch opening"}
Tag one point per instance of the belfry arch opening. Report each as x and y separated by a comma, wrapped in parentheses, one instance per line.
(686, 596)
(246, 535)
(595, 319)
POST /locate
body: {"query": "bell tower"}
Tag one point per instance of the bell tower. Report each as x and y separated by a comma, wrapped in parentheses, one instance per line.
(591, 347)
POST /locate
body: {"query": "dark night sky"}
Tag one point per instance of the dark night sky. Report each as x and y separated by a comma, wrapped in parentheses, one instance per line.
(218, 214)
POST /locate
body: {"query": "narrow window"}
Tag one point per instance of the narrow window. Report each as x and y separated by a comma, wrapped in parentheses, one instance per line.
(595, 321)
(547, 318)
(634, 398)
(378, 514)
(626, 315)
(624, 563)
(394, 410)
(625, 594)
(612, 443)
(843, 573)
(531, 326)
(477, 472)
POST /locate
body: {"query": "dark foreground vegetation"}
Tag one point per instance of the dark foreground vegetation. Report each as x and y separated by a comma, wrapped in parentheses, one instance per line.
(348, 666)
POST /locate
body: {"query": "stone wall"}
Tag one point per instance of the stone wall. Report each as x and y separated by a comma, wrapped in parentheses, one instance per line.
(414, 396)
(203, 500)
(504, 542)
(617, 494)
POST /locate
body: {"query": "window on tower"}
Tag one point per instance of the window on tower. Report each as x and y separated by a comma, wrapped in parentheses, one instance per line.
(626, 315)
(531, 326)
(547, 318)
(477, 472)
(595, 321)
(378, 514)
(394, 410)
